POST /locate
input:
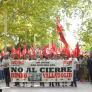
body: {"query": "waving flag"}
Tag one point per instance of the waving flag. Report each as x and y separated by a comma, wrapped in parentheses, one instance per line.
(66, 51)
(40, 52)
(13, 51)
(60, 31)
(76, 51)
(32, 52)
(24, 51)
(58, 50)
(18, 52)
(53, 49)
(46, 51)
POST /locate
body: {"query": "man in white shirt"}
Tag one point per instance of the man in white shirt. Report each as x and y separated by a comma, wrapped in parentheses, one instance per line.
(75, 62)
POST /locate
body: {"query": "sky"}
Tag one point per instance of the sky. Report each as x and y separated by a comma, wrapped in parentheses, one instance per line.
(71, 31)
(80, 14)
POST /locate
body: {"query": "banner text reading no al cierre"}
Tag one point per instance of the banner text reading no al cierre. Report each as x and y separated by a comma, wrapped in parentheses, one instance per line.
(43, 71)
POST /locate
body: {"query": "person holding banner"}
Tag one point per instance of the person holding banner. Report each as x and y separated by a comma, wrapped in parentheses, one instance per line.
(1, 70)
(6, 70)
(75, 62)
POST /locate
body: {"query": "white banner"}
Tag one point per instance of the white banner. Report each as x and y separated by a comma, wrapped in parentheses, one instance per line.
(41, 70)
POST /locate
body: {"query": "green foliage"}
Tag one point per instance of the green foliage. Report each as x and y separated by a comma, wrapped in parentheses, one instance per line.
(26, 18)
(86, 34)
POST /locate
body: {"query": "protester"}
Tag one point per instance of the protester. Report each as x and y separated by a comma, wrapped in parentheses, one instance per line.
(81, 68)
(89, 65)
(46, 53)
(6, 61)
(75, 62)
(1, 70)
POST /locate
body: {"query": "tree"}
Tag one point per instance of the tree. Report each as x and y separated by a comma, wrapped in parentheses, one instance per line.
(85, 30)
(27, 18)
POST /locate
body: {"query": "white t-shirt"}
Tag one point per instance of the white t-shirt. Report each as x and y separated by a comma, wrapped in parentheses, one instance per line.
(75, 62)
(6, 62)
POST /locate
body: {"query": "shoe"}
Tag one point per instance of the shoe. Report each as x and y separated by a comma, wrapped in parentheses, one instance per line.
(71, 85)
(75, 85)
(7, 85)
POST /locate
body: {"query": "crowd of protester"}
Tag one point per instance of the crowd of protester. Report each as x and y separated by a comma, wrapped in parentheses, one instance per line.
(83, 65)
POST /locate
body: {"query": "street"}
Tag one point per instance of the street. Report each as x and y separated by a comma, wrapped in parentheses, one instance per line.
(82, 87)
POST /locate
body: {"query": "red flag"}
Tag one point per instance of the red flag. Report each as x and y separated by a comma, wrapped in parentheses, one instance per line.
(53, 49)
(46, 51)
(59, 26)
(76, 51)
(66, 51)
(18, 52)
(40, 52)
(3, 52)
(13, 50)
(24, 51)
(58, 50)
(59, 29)
(32, 52)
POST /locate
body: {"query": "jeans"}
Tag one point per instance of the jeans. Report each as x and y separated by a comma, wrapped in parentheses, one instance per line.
(1, 74)
(73, 83)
